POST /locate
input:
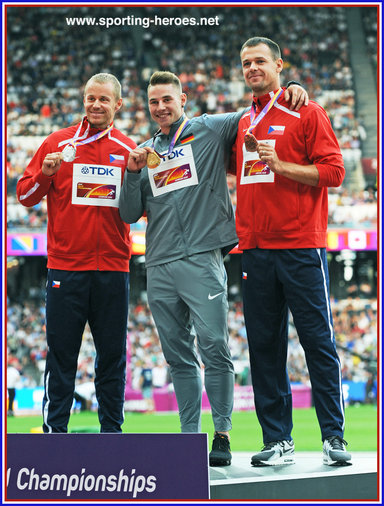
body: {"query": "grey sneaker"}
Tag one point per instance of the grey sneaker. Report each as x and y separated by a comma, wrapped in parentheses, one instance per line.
(276, 453)
(334, 452)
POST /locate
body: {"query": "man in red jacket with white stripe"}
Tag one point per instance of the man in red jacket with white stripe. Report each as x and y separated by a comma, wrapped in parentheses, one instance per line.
(285, 161)
(80, 169)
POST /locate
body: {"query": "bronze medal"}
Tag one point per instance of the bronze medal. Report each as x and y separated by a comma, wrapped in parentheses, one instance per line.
(250, 142)
(153, 160)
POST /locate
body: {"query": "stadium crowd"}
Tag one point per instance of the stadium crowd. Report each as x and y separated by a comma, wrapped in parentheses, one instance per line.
(355, 323)
(211, 76)
(46, 63)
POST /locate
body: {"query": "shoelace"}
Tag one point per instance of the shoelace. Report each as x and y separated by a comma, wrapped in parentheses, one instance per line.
(269, 446)
(337, 442)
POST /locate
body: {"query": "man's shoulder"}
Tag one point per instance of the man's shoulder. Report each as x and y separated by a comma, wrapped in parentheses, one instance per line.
(64, 133)
(116, 134)
(312, 109)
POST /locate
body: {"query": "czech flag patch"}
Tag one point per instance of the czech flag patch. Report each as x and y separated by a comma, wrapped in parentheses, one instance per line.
(55, 284)
(115, 158)
(245, 275)
(276, 129)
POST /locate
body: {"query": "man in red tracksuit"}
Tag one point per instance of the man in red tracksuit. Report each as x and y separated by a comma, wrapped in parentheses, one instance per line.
(80, 169)
(285, 161)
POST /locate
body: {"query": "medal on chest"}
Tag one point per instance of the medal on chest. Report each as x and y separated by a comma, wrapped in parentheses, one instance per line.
(153, 160)
(250, 141)
(69, 153)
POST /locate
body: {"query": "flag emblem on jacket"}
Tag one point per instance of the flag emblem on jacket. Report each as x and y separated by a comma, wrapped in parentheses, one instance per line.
(276, 129)
(245, 275)
(115, 158)
(189, 138)
(55, 284)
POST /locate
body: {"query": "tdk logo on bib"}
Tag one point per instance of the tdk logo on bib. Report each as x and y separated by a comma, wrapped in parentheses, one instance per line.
(176, 153)
(97, 171)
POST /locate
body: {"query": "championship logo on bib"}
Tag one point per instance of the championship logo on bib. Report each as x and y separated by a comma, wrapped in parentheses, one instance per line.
(96, 185)
(177, 170)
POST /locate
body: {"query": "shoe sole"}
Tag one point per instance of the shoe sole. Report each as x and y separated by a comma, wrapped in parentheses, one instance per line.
(283, 461)
(219, 463)
(336, 463)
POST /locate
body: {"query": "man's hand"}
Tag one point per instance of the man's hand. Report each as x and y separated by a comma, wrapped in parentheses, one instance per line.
(269, 156)
(138, 158)
(297, 95)
(305, 174)
(51, 163)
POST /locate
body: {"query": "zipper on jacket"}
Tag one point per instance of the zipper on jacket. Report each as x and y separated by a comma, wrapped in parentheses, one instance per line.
(180, 222)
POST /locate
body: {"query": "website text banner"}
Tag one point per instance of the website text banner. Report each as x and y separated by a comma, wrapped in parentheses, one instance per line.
(125, 467)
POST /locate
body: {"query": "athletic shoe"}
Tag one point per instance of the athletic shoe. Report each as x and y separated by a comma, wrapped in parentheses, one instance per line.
(276, 453)
(221, 451)
(334, 452)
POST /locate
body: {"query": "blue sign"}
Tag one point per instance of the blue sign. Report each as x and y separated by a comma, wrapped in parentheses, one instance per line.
(107, 467)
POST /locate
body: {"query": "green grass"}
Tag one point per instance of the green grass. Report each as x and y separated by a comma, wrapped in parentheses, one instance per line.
(360, 432)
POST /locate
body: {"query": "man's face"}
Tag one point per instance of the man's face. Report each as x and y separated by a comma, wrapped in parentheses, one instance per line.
(260, 70)
(100, 104)
(165, 105)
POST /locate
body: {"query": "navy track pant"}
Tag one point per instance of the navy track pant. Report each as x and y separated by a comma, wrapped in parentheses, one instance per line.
(273, 281)
(72, 299)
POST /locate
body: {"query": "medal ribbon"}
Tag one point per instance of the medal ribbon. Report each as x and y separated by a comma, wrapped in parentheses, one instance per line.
(255, 120)
(173, 141)
(99, 135)
(76, 140)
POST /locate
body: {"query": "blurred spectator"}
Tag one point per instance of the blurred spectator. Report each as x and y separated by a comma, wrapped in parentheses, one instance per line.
(13, 380)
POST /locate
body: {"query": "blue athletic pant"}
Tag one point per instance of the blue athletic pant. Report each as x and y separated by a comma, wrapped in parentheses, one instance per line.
(273, 281)
(72, 299)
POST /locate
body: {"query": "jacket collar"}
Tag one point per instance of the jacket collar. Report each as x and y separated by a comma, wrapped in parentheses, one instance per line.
(173, 129)
(262, 101)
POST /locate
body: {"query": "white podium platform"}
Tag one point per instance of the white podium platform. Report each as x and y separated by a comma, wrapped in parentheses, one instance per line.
(308, 479)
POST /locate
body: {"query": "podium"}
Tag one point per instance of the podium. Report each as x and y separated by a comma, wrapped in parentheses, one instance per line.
(107, 467)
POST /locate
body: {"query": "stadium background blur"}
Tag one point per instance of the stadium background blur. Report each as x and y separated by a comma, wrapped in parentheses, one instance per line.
(331, 50)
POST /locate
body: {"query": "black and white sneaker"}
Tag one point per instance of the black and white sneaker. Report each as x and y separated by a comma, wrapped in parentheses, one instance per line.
(221, 451)
(277, 453)
(334, 452)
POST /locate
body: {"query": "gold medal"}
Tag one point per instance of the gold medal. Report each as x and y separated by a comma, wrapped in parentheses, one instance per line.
(153, 160)
(250, 142)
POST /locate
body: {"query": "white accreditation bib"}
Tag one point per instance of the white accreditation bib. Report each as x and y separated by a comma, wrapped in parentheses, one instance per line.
(253, 169)
(96, 185)
(177, 170)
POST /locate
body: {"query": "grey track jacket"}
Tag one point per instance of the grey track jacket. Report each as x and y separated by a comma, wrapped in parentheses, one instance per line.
(194, 219)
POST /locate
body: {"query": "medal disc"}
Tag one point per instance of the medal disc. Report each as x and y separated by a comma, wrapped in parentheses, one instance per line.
(153, 160)
(250, 142)
(69, 153)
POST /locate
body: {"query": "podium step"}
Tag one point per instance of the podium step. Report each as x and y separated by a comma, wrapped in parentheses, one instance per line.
(308, 479)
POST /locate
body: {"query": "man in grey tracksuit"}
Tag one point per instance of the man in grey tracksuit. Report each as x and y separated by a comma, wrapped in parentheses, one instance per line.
(190, 228)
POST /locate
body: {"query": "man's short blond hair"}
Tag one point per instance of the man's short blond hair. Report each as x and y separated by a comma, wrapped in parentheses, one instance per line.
(104, 78)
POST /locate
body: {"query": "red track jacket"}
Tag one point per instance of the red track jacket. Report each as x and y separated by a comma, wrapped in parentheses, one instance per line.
(285, 214)
(80, 237)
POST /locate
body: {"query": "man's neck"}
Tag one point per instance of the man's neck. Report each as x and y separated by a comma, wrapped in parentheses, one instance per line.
(166, 129)
(259, 93)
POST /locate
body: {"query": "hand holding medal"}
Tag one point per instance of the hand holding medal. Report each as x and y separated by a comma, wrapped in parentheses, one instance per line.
(51, 163)
(250, 141)
(69, 153)
(140, 157)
